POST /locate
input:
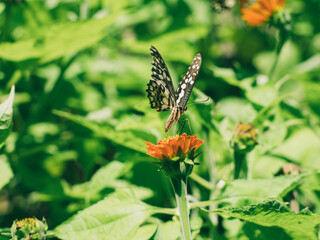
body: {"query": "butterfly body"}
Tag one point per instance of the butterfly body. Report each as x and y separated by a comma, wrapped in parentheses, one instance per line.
(161, 93)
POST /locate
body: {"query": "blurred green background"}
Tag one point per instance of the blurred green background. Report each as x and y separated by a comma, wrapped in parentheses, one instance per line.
(80, 70)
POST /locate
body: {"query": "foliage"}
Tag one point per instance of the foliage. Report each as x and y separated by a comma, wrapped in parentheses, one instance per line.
(74, 126)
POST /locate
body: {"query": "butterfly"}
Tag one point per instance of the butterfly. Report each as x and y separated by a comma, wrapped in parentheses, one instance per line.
(160, 90)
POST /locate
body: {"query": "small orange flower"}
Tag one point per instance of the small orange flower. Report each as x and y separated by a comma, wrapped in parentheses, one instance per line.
(259, 12)
(169, 148)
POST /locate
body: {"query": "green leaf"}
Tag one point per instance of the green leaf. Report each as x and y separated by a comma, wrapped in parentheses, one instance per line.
(273, 213)
(254, 231)
(5, 233)
(289, 57)
(116, 217)
(107, 177)
(237, 109)
(262, 95)
(241, 191)
(6, 117)
(124, 138)
(312, 96)
(229, 76)
(272, 134)
(5, 171)
(145, 232)
(302, 147)
(311, 64)
(169, 230)
(57, 40)
(173, 45)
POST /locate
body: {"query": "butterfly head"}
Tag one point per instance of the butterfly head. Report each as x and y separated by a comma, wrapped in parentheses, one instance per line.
(182, 109)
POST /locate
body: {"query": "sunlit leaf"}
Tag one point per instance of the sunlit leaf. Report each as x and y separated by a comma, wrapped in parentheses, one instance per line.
(253, 191)
(237, 109)
(273, 213)
(6, 117)
(229, 76)
(303, 147)
(123, 138)
(172, 45)
(118, 217)
(57, 40)
(5, 171)
(145, 232)
(262, 95)
(106, 177)
(288, 59)
(169, 230)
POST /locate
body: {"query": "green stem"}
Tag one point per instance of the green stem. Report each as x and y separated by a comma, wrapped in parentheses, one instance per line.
(203, 204)
(240, 164)
(280, 42)
(84, 8)
(180, 191)
(204, 183)
(6, 23)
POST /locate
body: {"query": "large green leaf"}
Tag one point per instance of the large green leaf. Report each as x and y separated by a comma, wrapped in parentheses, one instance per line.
(256, 190)
(254, 231)
(6, 117)
(5, 171)
(174, 45)
(312, 95)
(106, 177)
(57, 40)
(273, 213)
(169, 230)
(116, 217)
(5, 129)
(228, 75)
(289, 57)
(124, 138)
(302, 147)
(262, 95)
(237, 109)
(145, 232)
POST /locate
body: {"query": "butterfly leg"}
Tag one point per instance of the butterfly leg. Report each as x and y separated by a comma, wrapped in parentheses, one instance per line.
(182, 123)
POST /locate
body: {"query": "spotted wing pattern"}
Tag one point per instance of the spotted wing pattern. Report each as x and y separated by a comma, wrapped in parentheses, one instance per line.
(160, 88)
(186, 84)
(159, 96)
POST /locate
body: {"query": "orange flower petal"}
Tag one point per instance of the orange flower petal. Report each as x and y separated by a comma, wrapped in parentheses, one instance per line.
(260, 12)
(169, 147)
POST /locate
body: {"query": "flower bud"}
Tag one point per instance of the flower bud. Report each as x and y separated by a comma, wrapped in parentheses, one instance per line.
(29, 228)
(244, 139)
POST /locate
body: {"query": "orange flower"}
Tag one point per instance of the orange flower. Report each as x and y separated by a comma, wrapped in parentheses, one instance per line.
(173, 147)
(259, 12)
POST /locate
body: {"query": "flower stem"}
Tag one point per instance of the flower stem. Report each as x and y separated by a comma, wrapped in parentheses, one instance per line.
(179, 185)
(204, 183)
(282, 37)
(240, 164)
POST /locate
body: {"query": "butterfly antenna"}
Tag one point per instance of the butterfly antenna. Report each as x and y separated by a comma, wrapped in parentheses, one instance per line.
(200, 101)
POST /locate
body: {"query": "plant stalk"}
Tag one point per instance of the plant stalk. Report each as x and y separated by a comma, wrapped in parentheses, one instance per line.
(240, 164)
(283, 36)
(179, 185)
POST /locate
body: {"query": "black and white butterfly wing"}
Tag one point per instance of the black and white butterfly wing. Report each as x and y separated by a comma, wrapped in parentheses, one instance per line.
(186, 84)
(160, 89)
